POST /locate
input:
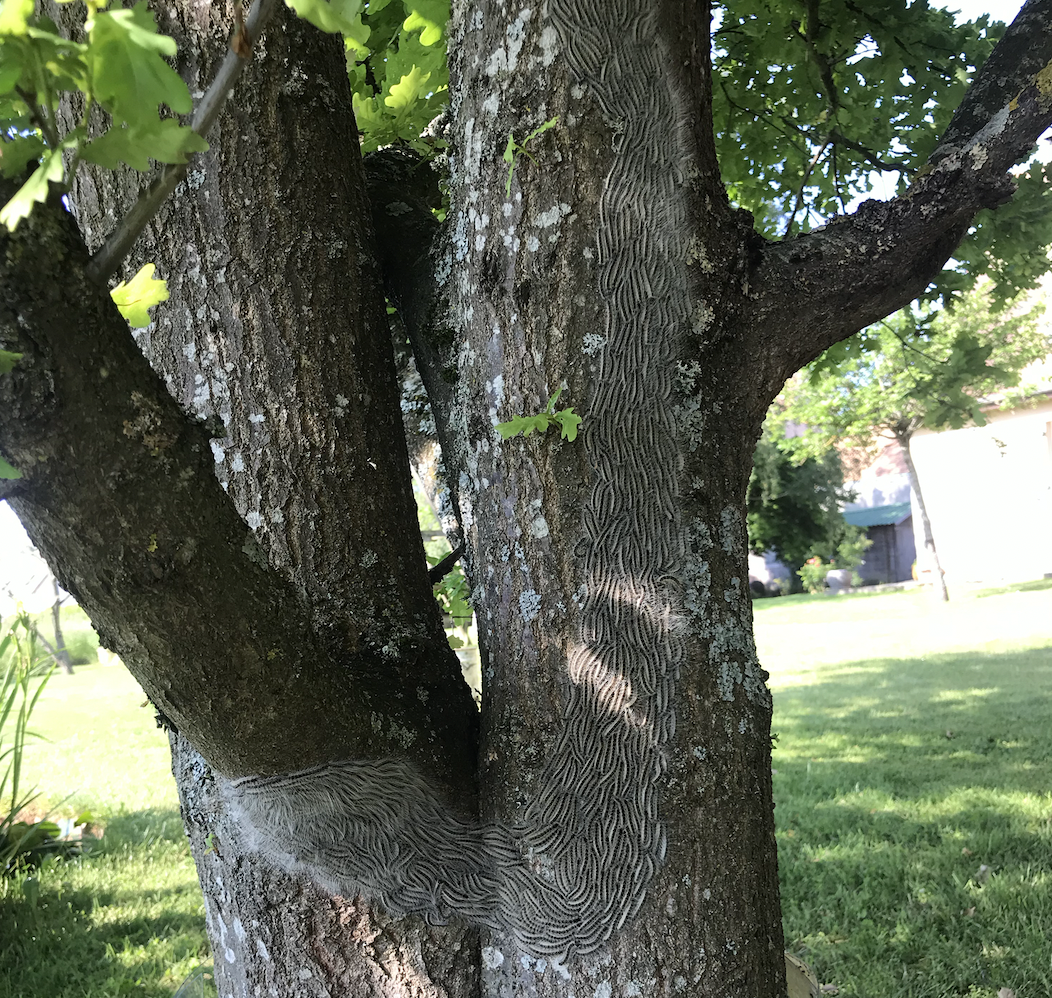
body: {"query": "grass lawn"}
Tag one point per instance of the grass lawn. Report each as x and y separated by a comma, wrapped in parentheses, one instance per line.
(913, 783)
(126, 919)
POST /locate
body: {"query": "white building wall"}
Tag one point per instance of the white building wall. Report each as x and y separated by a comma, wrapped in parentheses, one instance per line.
(988, 490)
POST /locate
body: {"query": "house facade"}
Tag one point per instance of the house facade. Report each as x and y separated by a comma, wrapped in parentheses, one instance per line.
(988, 490)
(884, 511)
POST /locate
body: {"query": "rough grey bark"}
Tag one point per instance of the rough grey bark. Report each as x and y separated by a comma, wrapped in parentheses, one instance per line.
(623, 842)
(608, 572)
(278, 346)
(277, 934)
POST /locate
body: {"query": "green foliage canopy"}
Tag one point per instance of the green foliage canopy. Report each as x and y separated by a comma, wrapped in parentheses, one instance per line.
(814, 105)
(793, 506)
(120, 66)
(817, 104)
(936, 373)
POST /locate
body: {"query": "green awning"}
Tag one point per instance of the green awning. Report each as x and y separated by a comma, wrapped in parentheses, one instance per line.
(879, 516)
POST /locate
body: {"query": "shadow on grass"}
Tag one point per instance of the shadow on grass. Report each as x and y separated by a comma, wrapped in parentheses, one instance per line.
(106, 924)
(914, 726)
(914, 820)
(148, 825)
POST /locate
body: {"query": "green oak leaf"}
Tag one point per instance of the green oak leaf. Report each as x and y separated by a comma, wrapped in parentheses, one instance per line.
(568, 422)
(332, 16)
(357, 35)
(131, 79)
(34, 190)
(516, 425)
(11, 65)
(400, 84)
(524, 425)
(63, 60)
(541, 129)
(8, 359)
(428, 19)
(6, 471)
(163, 140)
(141, 293)
(16, 154)
(407, 91)
(14, 16)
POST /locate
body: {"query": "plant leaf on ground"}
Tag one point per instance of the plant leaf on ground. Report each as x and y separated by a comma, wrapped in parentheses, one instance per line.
(128, 918)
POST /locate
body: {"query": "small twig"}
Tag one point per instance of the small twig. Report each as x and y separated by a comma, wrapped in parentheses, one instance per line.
(899, 166)
(119, 243)
(445, 566)
(772, 118)
(37, 114)
(803, 186)
(836, 181)
(825, 70)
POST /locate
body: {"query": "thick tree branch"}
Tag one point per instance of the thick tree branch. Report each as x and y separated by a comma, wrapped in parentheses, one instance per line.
(118, 244)
(816, 289)
(120, 496)
(445, 566)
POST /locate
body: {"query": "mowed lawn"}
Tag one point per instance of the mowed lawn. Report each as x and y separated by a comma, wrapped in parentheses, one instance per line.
(127, 919)
(913, 778)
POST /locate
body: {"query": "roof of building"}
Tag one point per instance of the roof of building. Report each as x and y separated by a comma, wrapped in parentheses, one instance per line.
(879, 516)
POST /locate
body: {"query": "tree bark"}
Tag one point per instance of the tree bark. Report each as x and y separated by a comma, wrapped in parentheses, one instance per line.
(278, 349)
(930, 551)
(620, 679)
(614, 832)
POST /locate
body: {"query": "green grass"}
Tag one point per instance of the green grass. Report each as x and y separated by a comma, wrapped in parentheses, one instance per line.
(915, 746)
(126, 918)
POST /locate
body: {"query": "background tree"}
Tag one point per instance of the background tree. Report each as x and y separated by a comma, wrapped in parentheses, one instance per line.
(904, 374)
(794, 506)
(228, 497)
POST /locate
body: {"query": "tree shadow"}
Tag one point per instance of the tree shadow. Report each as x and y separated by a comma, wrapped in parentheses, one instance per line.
(915, 823)
(60, 933)
(153, 824)
(912, 725)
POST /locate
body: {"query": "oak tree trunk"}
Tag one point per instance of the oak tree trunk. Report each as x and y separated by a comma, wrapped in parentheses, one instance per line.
(604, 826)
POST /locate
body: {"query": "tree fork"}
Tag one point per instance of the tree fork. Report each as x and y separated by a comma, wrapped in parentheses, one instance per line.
(625, 766)
(119, 494)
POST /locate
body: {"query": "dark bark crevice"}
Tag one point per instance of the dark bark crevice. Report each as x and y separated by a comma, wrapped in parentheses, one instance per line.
(404, 192)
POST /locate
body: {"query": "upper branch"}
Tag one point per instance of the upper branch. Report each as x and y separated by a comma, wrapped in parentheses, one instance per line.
(816, 289)
(118, 244)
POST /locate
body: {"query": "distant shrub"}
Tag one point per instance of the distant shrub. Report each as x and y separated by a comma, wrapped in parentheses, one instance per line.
(83, 647)
(813, 574)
